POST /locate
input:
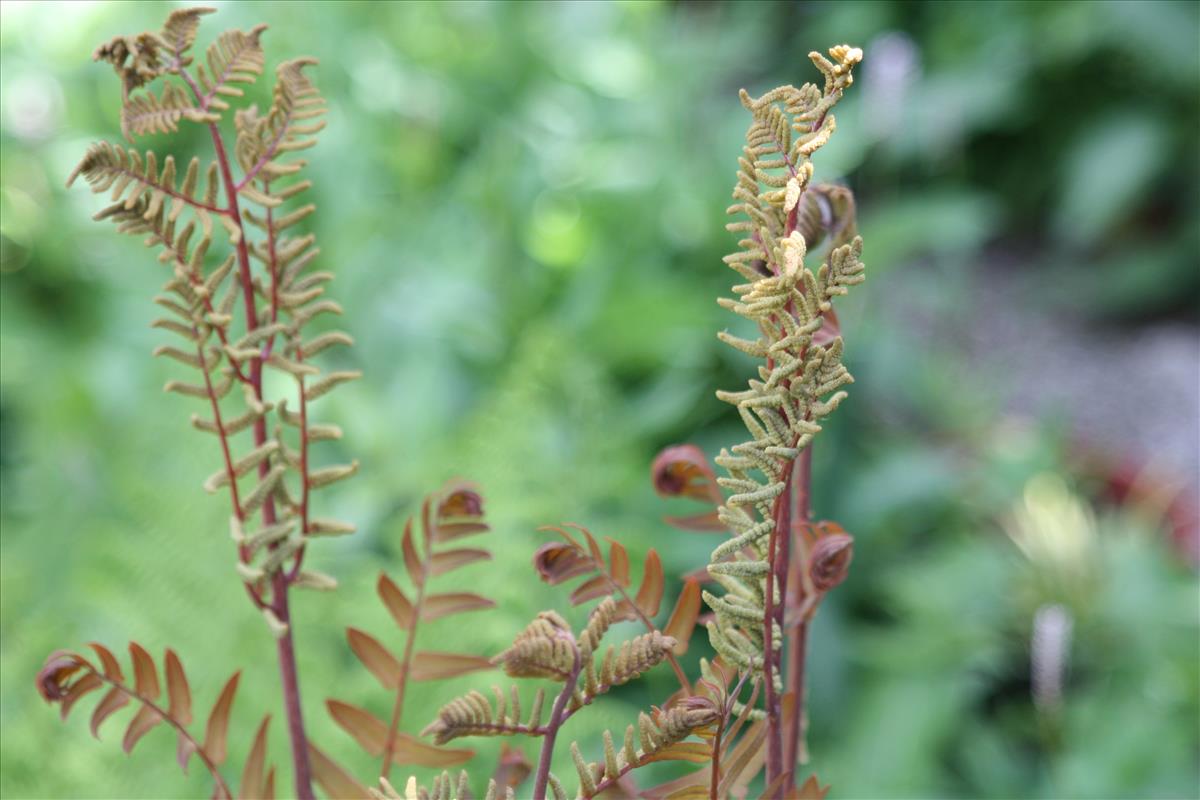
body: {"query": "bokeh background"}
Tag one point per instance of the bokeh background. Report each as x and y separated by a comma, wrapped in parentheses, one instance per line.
(524, 205)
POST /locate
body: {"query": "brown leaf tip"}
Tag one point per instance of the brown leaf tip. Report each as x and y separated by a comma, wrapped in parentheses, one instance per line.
(556, 562)
(54, 678)
(683, 470)
(460, 501)
(829, 561)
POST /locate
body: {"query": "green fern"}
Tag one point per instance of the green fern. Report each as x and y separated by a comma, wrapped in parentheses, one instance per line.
(799, 383)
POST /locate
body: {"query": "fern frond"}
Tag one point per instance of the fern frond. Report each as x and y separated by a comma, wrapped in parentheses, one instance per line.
(179, 34)
(657, 737)
(147, 113)
(66, 677)
(444, 788)
(235, 57)
(783, 217)
(557, 562)
(620, 665)
(135, 59)
(455, 511)
(544, 649)
(130, 176)
(473, 715)
(287, 127)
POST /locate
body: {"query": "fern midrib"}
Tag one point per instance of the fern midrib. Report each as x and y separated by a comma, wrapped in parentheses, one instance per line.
(223, 788)
(406, 663)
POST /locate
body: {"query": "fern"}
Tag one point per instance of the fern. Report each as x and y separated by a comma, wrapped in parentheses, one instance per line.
(239, 299)
(557, 562)
(800, 382)
(66, 678)
(453, 513)
(235, 303)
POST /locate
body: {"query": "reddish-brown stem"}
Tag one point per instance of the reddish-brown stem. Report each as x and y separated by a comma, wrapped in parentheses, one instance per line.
(222, 787)
(726, 713)
(285, 645)
(279, 585)
(776, 549)
(286, 650)
(714, 781)
(405, 667)
(798, 641)
(221, 435)
(557, 716)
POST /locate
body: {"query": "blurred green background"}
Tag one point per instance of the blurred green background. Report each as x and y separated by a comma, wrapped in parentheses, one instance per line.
(524, 205)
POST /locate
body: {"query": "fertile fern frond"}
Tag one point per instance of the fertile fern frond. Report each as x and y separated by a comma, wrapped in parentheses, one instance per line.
(620, 665)
(235, 57)
(790, 304)
(288, 126)
(147, 113)
(444, 788)
(135, 59)
(179, 34)
(657, 737)
(545, 649)
(130, 176)
(473, 715)
(233, 322)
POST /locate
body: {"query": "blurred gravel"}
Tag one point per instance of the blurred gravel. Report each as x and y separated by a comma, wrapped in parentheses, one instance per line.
(1130, 392)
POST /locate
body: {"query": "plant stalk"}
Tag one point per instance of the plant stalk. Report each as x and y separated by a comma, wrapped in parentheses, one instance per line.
(291, 690)
(777, 553)
(556, 720)
(796, 750)
(279, 584)
(405, 668)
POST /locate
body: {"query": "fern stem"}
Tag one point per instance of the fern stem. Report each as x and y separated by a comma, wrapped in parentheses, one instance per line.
(243, 552)
(285, 646)
(714, 783)
(771, 614)
(557, 717)
(714, 778)
(222, 787)
(405, 668)
(291, 690)
(798, 642)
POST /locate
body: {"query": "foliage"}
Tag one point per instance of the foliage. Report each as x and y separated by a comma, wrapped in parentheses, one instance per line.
(793, 303)
(497, 121)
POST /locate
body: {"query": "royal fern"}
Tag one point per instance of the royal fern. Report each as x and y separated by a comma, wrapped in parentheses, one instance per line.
(236, 304)
(240, 298)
